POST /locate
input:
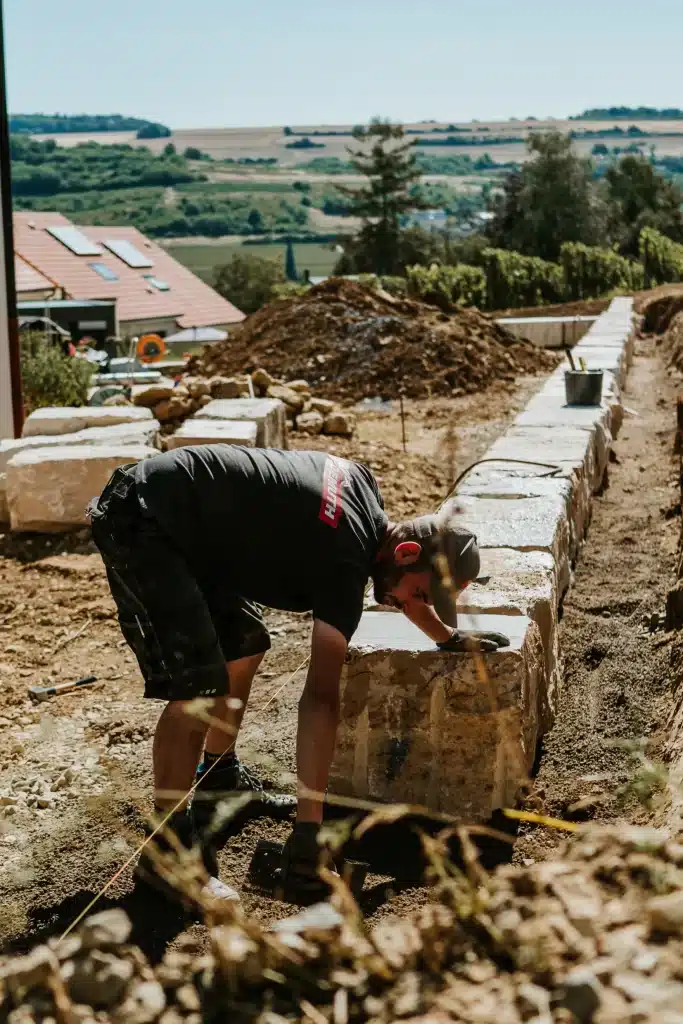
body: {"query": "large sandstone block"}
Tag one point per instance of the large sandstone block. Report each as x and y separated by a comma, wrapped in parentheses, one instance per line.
(69, 419)
(422, 726)
(48, 489)
(520, 583)
(143, 433)
(503, 516)
(267, 413)
(196, 431)
(571, 450)
(611, 397)
(603, 357)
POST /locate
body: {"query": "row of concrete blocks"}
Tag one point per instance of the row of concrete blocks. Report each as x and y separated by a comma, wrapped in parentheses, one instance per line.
(66, 455)
(456, 733)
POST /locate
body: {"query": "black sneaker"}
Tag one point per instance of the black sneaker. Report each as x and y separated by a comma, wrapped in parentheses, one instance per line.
(225, 780)
(302, 858)
(148, 873)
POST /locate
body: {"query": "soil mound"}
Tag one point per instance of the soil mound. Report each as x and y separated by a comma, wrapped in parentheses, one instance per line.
(350, 341)
(660, 311)
(673, 341)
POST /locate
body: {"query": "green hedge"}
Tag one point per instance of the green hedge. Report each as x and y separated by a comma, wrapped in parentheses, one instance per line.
(661, 258)
(590, 271)
(516, 280)
(445, 286)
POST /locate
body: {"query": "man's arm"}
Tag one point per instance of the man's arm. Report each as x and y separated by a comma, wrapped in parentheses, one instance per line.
(318, 718)
(425, 618)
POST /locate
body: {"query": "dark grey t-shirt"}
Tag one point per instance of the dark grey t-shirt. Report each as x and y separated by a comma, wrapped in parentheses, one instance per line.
(294, 530)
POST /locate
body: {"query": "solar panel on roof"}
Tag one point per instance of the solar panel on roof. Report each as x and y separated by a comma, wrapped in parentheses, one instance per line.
(75, 240)
(127, 252)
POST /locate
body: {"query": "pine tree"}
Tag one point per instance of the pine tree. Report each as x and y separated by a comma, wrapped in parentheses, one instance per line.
(386, 160)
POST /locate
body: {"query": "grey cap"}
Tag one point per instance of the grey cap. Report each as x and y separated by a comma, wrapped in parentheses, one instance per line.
(453, 555)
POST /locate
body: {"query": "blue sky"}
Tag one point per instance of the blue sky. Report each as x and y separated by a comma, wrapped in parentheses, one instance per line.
(202, 63)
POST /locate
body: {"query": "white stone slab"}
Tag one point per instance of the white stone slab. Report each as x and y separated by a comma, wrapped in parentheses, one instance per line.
(69, 419)
(269, 415)
(48, 489)
(144, 433)
(195, 431)
(520, 583)
(419, 725)
(611, 397)
(604, 357)
(501, 517)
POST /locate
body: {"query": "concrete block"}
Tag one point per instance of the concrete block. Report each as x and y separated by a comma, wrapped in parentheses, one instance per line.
(421, 726)
(521, 583)
(268, 414)
(143, 433)
(69, 419)
(530, 518)
(48, 489)
(195, 431)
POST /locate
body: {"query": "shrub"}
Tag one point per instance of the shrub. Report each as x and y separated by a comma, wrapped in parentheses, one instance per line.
(446, 286)
(590, 271)
(49, 377)
(662, 259)
(516, 280)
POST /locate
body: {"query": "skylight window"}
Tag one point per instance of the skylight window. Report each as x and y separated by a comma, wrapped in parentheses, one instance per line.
(127, 252)
(156, 282)
(75, 240)
(104, 271)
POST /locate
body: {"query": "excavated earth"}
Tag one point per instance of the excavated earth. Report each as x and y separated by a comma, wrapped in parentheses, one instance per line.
(350, 341)
(563, 929)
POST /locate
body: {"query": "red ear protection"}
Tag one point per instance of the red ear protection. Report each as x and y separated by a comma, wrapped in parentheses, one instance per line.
(407, 552)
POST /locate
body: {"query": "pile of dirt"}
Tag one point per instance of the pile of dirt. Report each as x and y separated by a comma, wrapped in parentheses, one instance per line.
(672, 342)
(350, 341)
(660, 311)
(594, 936)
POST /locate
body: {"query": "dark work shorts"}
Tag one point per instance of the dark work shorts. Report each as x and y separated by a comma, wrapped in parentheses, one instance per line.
(181, 627)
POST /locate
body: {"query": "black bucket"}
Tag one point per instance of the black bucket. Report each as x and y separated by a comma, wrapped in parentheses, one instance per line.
(583, 387)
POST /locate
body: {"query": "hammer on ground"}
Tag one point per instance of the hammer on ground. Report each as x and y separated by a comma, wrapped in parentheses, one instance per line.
(41, 693)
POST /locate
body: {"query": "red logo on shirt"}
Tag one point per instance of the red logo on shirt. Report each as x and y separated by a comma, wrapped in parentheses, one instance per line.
(333, 481)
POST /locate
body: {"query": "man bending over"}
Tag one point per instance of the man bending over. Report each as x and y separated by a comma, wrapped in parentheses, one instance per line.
(196, 539)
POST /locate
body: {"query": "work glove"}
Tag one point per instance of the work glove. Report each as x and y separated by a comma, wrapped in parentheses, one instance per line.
(479, 642)
(301, 859)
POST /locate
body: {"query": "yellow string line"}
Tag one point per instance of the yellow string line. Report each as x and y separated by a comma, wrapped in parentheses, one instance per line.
(541, 819)
(162, 824)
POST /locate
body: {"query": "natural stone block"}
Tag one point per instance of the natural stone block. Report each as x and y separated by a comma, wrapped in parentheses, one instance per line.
(490, 481)
(48, 489)
(502, 517)
(143, 433)
(419, 725)
(267, 413)
(340, 422)
(570, 450)
(520, 583)
(309, 422)
(196, 431)
(148, 395)
(69, 419)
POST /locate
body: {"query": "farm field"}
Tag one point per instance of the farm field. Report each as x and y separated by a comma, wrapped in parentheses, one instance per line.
(271, 142)
(203, 255)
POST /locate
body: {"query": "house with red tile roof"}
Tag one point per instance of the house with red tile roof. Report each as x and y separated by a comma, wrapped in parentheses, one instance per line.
(153, 292)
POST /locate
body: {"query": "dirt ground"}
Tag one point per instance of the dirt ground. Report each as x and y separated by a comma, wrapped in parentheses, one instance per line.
(85, 757)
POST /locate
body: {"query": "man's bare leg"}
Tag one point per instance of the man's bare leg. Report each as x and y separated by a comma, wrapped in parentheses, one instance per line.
(177, 748)
(241, 674)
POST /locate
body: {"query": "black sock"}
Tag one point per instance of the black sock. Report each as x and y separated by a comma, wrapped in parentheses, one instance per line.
(222, 760)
